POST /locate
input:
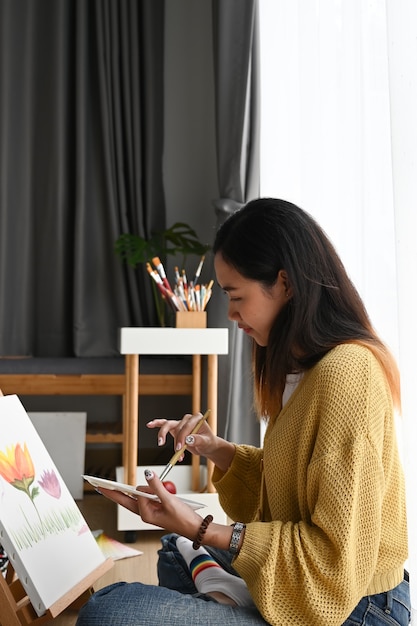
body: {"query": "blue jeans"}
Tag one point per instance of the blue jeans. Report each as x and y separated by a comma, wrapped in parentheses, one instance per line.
(176, 602)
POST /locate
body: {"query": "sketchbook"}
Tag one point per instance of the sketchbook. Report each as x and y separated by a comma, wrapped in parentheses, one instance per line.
(42, 529)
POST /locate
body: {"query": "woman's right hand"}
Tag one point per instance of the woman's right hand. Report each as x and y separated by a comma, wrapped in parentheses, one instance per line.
(204, 443)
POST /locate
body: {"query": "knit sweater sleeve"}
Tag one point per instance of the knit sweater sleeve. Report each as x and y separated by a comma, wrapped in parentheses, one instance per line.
(240, 488)
(334, 487)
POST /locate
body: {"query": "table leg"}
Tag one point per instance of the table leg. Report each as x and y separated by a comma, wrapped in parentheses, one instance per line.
(196, 407)
(125, 414)
(212, 381)
(131, 417)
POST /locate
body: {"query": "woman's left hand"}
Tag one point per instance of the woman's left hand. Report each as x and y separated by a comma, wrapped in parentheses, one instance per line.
(170, 513)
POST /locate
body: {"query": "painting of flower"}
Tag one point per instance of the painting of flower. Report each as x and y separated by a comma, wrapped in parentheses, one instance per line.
(16, 466)
(17, 469)
(40, 523)
(50, 483)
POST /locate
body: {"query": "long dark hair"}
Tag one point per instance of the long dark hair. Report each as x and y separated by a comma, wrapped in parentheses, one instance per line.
(325, 309)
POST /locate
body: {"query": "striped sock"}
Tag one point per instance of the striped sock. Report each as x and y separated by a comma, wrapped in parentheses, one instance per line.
(203, 563)
(209, 576)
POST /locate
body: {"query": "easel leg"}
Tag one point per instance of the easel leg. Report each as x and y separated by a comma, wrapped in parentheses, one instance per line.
(8, 606)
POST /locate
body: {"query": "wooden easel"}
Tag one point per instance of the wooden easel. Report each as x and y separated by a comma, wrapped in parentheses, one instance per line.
(16, 608)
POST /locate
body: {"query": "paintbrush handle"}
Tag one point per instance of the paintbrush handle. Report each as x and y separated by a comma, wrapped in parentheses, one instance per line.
(174, 459)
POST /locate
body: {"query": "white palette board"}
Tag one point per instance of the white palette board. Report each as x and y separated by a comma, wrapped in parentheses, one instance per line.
(181, 477)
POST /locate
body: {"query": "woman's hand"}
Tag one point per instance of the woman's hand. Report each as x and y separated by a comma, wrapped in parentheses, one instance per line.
(170, 513)
(203, 444)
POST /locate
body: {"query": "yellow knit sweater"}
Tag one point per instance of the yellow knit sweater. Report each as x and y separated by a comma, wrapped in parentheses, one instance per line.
(324, 501)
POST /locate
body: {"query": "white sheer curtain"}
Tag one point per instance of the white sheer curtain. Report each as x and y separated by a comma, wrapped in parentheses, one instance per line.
(339, 138)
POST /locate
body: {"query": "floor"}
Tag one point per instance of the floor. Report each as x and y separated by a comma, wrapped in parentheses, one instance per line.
(100, 513)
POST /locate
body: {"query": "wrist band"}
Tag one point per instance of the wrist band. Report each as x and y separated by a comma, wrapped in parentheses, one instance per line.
(238, 528)
(202, 531)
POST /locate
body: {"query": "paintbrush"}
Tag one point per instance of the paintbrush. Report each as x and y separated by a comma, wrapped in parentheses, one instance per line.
(180, 452)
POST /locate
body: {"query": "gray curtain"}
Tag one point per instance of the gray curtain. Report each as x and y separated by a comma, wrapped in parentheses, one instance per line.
(80, 163)
(235, 30)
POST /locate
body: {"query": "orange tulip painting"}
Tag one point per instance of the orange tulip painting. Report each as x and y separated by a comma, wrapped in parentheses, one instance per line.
(18, 470)
(41, 526)
(16, 467)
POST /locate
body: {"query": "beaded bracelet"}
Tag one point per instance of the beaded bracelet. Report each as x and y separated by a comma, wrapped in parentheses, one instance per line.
(202, 530)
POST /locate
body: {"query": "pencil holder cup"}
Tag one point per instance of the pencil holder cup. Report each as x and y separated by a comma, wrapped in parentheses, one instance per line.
(191, 319)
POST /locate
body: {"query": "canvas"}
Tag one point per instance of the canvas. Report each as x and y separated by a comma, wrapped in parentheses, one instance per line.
(64, 437)
(41, 527)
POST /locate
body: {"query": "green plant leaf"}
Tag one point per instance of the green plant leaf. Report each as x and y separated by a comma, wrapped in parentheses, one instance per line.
(180, 238)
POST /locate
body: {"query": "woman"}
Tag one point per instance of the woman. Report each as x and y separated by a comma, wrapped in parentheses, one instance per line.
(320, 536)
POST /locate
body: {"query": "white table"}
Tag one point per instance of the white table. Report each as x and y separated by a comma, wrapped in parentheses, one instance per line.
(169, 341)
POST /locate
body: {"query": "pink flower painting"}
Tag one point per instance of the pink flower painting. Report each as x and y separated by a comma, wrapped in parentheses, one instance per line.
(50, 483)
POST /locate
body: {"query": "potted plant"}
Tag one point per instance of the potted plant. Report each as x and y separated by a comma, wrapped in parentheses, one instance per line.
(179, 239)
